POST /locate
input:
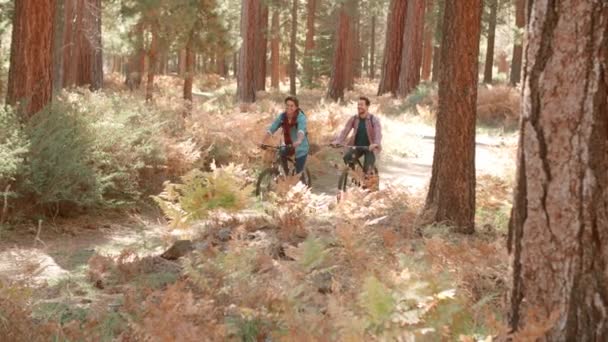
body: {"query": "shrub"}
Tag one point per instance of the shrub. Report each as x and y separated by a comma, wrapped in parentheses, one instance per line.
(13, 147)
(201, 192)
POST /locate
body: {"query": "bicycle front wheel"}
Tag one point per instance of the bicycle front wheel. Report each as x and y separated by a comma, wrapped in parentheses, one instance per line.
(267, 182)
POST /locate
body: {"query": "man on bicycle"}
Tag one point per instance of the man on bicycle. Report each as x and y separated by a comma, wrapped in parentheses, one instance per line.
(368, 133)
(293, 123)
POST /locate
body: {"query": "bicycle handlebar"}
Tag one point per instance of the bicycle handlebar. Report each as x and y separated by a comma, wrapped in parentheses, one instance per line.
(350, 146)
(264, 146)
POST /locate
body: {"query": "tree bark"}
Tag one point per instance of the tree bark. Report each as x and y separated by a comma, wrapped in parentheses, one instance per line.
(520, 21)
(558, 231)
(309, 46)
(275, 46)
(372, 50)
(391, 65)
(31, 62)
(338, 75)
(262, 48)
(451, 196)
(292, 48)
(488, 67)
(181, 65)
(411, 59)
(246, 73)
(352, 53)
(427, 51)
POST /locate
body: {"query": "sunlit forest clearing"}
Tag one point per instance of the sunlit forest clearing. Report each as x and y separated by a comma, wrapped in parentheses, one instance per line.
(143, 193)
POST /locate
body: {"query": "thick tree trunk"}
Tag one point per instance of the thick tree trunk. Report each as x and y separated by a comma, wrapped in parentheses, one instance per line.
(31, 63)
(220, 65)
(427, 51)
(338, 74)
(309, 46)
(502, 63)
(451, 196)
(391, 66)
(488, 67)
(292, 48)
(95, 58)
(411, 60)
(181, 65)
(275, 45)
(558, 231)
(262, 48)
(246, 73)
(520, 21)
(152, 63)
(372, 50)
(189, 73)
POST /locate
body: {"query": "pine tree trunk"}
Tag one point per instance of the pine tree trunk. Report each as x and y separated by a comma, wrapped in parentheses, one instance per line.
(220, 64)
(338, 74)
(275, 46)
(95, 77)
(246, 73)
(520, 21)
(181, 65)
(189, 73)
(427, 50)
(352, 54)
(292, 48)
(262, 48)
(487, 75)
(70, 42)
(235, 64)
(411, 60)
(31, 63)
(152, 63)
(372, 50)
(391, 66)
(58, 46)
(451, 196)
(558, 231)
(309, 46)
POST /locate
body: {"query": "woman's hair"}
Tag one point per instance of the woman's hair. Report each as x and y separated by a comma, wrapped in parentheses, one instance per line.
(293, 99)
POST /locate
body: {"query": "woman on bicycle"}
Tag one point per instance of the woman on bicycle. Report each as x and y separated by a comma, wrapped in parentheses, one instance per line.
(293, 122)
(368, 133)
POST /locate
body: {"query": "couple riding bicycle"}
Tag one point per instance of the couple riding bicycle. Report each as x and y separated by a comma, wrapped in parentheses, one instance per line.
(365, 142)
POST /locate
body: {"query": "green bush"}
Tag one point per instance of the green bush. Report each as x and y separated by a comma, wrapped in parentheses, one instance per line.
(89, 150)
(13, 147)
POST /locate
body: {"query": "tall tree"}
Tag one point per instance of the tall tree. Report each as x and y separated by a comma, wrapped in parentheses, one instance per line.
(58, 45)
(275, 47)
(372, 49)
(391, 66)
(309, 45)
(520, 21)
(247, 55)
(558, 231)
(262, 47)
(488, 67)
(189, 72)
(411, 59)
(292, 48)
(82, 58)
(427, 50)
(451, 196)
(337, 82)
(152, 59)
(30, 73)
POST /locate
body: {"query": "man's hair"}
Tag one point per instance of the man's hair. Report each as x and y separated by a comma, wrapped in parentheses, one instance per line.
(363, 98)
(293, 99)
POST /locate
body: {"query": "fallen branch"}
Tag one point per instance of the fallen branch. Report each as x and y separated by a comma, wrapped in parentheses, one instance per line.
(37, 239)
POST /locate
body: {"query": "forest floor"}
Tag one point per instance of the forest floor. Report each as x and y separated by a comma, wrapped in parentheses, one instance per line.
(60, 259)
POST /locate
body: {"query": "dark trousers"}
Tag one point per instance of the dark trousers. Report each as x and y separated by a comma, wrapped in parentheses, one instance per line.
(370, 158)
(300, 161)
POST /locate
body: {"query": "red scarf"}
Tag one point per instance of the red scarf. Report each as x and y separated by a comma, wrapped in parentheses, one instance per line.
(286, 132)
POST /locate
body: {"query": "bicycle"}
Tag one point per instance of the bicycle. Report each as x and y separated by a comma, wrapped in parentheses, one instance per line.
(268, 178)
(354, 172)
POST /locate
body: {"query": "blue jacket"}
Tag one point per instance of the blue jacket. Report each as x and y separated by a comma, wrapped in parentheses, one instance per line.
(301, 150)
